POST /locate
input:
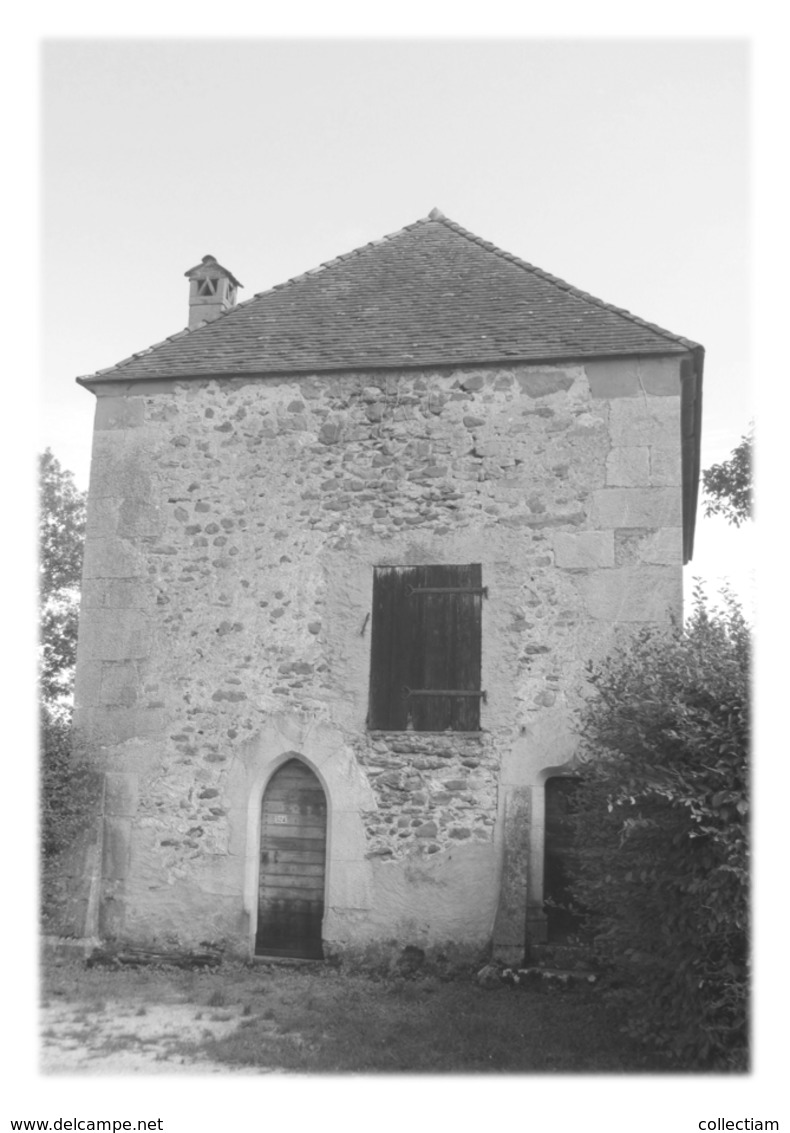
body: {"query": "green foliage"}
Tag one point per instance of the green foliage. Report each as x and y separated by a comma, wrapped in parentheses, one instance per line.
(662, 815)
(728, 486)
(68, 787)
(61, 527)
(69, 797)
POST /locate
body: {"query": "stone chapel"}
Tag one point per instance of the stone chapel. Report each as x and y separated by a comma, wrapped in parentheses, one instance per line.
(350, 544)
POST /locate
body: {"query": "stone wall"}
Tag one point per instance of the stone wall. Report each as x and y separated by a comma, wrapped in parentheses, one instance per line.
(233, 528)
(431, 789)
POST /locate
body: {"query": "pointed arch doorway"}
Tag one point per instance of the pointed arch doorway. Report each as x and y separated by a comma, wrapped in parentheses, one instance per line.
(292, 864)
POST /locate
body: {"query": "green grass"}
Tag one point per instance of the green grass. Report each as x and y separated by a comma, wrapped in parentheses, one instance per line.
(316, 1019)
(456, 1028)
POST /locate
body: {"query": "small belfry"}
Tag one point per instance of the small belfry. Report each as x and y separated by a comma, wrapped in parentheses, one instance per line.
(212, 291)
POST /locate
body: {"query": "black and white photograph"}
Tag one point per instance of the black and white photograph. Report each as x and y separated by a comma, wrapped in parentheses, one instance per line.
(395, 577)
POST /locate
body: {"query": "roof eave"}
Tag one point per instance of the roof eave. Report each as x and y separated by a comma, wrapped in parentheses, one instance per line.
(116, 374)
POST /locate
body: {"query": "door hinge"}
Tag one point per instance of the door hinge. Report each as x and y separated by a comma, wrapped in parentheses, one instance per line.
(410, 590)
(407, 692)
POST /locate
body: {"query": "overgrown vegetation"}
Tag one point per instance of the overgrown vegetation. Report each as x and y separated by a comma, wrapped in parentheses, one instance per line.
(61, 526)
(662, 815)
(66, 787)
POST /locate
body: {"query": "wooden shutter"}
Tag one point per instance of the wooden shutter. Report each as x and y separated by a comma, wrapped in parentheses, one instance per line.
(426, 636)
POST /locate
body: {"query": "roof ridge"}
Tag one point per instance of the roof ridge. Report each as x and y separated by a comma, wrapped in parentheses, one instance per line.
(341, 258)
(562, 284)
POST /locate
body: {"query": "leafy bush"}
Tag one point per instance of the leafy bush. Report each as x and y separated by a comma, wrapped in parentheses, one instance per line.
(661, 815)
(61, 528)
(68, 788)
(70, 792)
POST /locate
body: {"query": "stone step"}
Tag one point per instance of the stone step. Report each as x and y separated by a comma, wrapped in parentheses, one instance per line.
(550, 979)
(553, 977)
(535, 977)
(147, 957)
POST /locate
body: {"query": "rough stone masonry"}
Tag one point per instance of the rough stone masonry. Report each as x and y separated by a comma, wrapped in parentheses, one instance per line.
(234, 525)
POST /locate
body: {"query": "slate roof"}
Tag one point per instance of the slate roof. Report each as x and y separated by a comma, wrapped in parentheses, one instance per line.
(431, 294)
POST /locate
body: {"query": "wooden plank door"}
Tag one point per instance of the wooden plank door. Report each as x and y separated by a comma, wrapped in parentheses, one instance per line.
(293, 864)
(558, 862)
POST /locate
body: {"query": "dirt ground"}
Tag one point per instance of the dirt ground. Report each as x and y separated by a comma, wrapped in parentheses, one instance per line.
(118, 1039)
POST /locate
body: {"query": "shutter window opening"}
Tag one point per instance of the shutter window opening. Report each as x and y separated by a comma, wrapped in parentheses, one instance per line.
(426, 649)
